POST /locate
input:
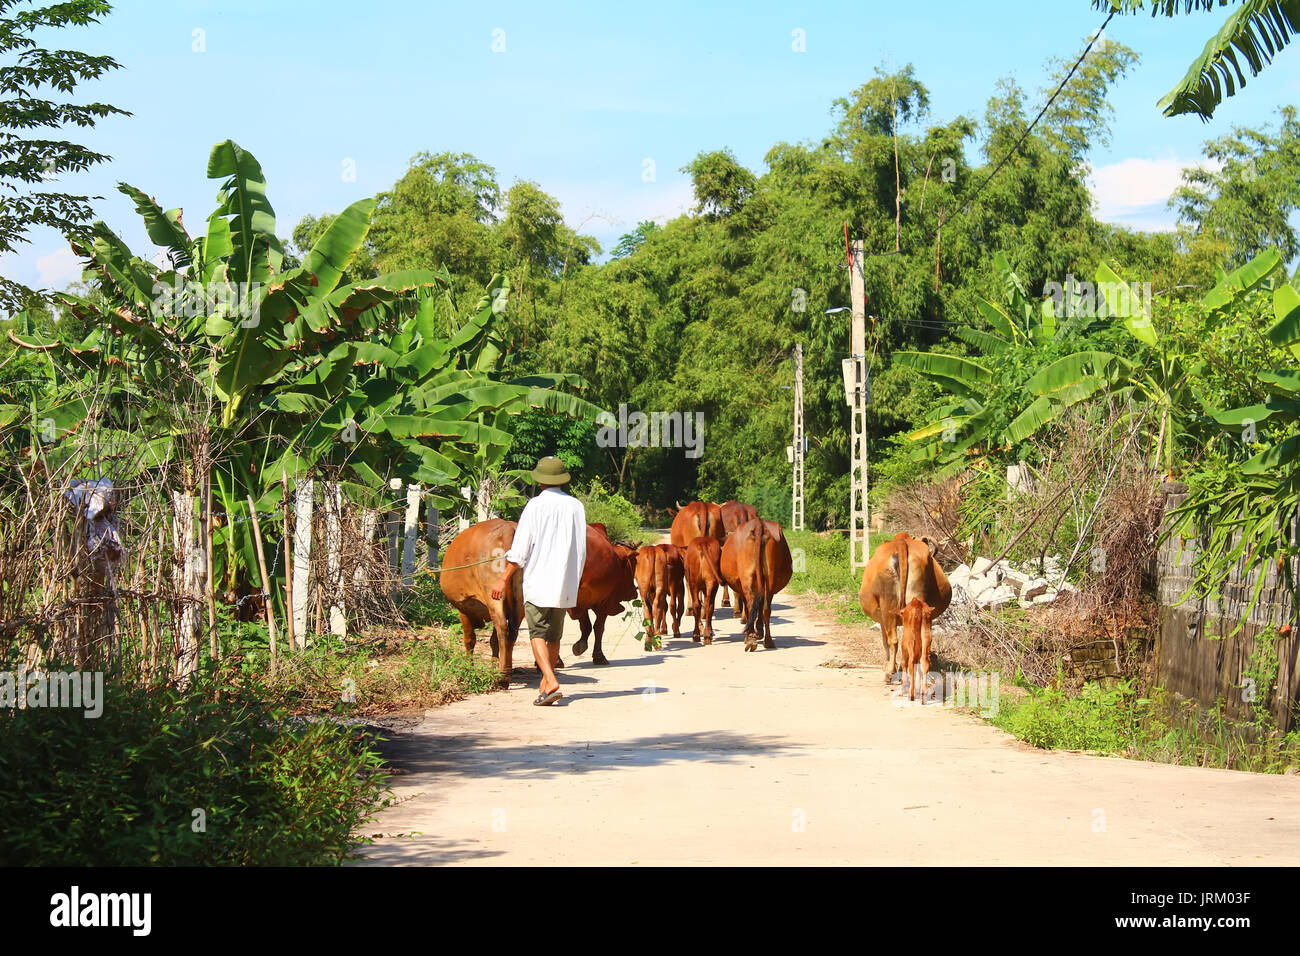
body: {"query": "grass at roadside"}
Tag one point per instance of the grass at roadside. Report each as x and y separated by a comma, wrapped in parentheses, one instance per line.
(821, 572)
(1111, 717)
(393, 669)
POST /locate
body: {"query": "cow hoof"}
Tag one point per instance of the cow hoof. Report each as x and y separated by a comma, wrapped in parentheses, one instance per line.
(580, 647)
(769, 645)
(558, 663)
(695, 638)
(503, 680)
(708, 641)
(599, 659)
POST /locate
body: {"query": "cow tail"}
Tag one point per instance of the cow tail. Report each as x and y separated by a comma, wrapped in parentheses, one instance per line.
(903, 561)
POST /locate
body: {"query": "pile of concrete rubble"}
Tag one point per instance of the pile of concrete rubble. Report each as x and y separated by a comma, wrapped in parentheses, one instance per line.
(985, 585)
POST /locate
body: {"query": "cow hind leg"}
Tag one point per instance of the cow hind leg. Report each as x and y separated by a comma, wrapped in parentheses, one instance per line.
(889, 637)
(767, 623)
(753, 606)
(502, 626)
(896, 660)
(709, 596)
(468, 627)
(697, 612)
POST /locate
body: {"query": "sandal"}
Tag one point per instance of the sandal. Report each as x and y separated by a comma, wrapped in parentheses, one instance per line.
(545, 700)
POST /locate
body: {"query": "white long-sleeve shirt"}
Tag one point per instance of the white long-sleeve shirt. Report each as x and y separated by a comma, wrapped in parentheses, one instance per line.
(551, 546)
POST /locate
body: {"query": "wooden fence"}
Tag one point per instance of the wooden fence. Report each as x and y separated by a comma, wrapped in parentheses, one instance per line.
(1195, 656)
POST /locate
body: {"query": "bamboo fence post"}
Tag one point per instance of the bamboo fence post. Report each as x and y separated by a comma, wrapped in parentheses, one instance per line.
(266, 582)
(208, 586)
(291, 639)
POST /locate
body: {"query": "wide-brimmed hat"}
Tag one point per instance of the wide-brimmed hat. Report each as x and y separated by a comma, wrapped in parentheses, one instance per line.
(551, 471)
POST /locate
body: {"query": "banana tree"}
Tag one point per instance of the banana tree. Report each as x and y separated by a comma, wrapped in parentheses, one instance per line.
(1160, 380)
(1254, 33)
(417, 407)
(271, 370)
(974, 424)
(1246, 511)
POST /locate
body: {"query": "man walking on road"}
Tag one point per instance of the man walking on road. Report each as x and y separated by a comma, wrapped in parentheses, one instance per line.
(551, 546)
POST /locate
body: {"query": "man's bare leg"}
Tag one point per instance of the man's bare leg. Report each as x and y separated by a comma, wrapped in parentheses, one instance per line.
(546, 654)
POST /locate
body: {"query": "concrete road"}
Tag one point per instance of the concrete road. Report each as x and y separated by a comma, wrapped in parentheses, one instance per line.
(709, 755)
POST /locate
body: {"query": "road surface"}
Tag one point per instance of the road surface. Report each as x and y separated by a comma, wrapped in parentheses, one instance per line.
(709, 755)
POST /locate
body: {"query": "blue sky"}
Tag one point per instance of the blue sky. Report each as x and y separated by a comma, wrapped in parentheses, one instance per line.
(581, 96)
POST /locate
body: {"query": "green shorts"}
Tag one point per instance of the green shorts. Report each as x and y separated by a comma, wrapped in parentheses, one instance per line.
(546, 623)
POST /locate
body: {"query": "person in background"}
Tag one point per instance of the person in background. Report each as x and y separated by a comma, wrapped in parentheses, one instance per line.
(550, 545)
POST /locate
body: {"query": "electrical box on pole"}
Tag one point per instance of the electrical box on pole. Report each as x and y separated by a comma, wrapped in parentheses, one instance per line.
(856, 388)
(800, 447)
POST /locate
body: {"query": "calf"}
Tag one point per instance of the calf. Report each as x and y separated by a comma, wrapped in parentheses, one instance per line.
(660, 574)
(915, 646)
(703, 576)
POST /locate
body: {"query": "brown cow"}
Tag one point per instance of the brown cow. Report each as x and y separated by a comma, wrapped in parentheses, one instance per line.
(901, 569)
(734, 514)
(660, 573)
(757, 564)
(607, 581)
(696, 519)
(703, 577)
(915, 646)
(675, 582)
(468, 583)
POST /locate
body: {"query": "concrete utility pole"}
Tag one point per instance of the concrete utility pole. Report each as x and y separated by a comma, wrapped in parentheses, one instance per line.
(796, 511)
(856, 387)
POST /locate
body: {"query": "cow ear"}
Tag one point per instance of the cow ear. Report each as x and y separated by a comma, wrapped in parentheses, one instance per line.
(930, 543)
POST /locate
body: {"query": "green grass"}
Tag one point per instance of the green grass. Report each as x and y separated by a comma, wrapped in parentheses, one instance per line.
(367, 678)
(821, 572)
(423, 603)
(358, 676)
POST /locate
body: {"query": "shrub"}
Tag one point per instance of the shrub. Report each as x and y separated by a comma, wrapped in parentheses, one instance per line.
(1098, 719)
(771, 501)
(344, 678)
(172, 777)
(424, 603)
(620, 517)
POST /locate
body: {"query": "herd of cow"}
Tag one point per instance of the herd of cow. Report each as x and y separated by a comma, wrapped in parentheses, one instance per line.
(713, 547)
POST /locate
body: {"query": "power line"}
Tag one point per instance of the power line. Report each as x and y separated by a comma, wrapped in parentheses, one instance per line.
(1046, 106)
(1019, 142)
(935, 325)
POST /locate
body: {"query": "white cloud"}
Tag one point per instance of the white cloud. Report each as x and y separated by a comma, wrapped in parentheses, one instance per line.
(609, 209)
(1134, 192)
(58, 268)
